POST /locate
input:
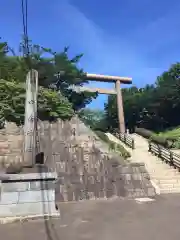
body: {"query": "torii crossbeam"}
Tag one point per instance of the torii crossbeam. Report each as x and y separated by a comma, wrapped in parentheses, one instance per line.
(115, 79)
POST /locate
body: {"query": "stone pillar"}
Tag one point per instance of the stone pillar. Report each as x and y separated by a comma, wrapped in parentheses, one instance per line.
(30, 126)
(120, 108)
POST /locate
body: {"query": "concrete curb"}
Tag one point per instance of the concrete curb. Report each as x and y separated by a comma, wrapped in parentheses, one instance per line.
(157, 189)
(7, 220)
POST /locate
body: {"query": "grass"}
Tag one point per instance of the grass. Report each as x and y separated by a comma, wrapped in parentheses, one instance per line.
(174, 133)
(115, 147)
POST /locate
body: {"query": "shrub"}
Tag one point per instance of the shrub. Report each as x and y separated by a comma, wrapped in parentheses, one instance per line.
(113, 146)
(160, 140)
(176, 144)
(144, 132)
(102, 136)
(124, 152)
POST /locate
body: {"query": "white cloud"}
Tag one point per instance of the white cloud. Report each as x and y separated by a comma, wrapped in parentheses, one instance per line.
(129, 55)
(103, 53)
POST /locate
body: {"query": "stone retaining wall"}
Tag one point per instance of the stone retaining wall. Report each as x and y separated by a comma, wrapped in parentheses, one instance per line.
(27, 195)
(128, 181)
(49, 136)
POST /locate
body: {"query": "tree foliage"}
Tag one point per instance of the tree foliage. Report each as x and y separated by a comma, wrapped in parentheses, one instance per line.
(55, 98)
(51, 104)
(155, 107)
(93, 118)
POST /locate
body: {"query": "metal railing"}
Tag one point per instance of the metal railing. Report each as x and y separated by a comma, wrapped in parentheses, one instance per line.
(165, 154)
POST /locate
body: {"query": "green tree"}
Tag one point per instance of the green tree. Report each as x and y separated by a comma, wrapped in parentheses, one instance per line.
(51, 104)
(58, 101)
(154, 107)
(15, 68)
(94, 118)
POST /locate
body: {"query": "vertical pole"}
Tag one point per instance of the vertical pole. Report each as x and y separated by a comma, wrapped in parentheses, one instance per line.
(120, 108)
(30, 125)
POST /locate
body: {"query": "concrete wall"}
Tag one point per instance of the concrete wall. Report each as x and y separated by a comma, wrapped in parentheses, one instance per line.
(27, 195)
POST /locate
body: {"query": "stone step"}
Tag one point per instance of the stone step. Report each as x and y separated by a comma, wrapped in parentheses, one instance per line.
(162, 173)
(171, 190)
(163, 177)
(154, 169)
(168, 181)
(165, 180)
(162, 164)
(162, 169)
(169, 185)
(167, 177)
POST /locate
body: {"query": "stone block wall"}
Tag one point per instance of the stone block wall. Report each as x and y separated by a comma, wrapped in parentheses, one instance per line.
(48, 137)
(23, 195)
(127, 181)
(27, 195)
(11, 145)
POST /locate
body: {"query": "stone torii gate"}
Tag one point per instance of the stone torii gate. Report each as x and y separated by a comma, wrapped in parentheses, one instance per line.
(110, 79)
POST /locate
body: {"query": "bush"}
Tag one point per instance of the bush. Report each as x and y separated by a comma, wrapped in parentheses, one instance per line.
(176, 144)
(102, 136)
(124, 152)
(144, 132)
(164, 141)
(160, 140)
(113, 146)
(51, 104)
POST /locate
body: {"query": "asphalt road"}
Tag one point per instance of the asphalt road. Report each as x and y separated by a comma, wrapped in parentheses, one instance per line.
(104, 220)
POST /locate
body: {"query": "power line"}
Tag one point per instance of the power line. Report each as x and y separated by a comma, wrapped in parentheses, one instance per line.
(24, 9)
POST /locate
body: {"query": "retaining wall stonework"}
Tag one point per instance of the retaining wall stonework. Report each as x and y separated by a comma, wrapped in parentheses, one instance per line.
(82, 171)
(27, 195)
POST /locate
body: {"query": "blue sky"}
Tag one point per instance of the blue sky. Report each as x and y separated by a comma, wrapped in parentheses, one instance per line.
(136, 38)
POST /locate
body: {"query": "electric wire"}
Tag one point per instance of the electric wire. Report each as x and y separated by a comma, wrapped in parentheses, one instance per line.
(24, 10)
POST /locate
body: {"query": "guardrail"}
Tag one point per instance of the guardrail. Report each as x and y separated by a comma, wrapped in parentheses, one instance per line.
(124, 137)
(165, 154)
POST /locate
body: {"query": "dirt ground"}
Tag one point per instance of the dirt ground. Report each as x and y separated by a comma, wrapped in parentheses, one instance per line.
(104, 220)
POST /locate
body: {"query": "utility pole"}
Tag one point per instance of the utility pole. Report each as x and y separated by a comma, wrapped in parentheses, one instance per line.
(30, 123)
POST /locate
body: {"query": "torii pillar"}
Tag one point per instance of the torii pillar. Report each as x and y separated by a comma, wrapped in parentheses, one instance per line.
(120, 108)
(117, 80)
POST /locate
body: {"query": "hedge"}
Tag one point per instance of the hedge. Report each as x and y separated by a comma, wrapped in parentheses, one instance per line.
(144, 132)
(165, 142)
(113, 146)
(160, 140)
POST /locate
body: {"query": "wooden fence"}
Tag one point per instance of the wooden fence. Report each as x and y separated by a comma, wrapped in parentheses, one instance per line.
(129, 141)
(165, 154)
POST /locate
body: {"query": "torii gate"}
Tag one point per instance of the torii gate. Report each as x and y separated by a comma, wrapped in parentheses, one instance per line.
(110, 79)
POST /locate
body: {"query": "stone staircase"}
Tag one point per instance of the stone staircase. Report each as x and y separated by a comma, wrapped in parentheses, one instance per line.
(165, 178)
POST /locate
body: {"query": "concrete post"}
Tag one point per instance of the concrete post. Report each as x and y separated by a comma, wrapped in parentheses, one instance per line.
(120, 107)
(30, 125)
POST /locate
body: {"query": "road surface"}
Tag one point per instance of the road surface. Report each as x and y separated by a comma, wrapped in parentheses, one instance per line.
(104, 220)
